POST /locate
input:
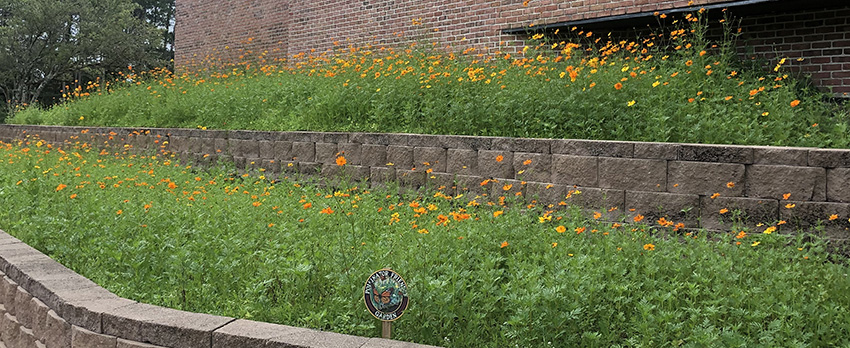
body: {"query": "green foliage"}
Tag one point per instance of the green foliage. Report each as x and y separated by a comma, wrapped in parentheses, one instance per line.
(42, 41)
(671, 87)
(157, 231)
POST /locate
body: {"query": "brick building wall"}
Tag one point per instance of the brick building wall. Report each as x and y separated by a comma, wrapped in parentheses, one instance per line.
(816, 30)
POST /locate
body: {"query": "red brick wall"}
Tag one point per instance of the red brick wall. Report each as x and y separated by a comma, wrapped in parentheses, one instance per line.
(246, 28)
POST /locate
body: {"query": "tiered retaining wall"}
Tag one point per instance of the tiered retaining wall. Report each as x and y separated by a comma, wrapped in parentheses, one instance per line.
(45, 305)
(617, 178)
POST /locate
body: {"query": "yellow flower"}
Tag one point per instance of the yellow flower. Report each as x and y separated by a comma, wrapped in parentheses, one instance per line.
(755, 243)
(769, 230)
(560, 229)
(498, 212)
(554, 244)
(632, 103)
(649, 246)
(790, 205)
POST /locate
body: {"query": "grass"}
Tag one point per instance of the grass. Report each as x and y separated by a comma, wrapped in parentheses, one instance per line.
(673, 86)
(481, 272)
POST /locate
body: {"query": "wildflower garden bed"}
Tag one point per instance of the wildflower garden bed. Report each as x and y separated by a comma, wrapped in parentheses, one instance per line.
(507, 272)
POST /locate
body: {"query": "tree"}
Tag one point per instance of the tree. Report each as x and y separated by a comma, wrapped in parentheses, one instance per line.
(45, 40)
(160, 13)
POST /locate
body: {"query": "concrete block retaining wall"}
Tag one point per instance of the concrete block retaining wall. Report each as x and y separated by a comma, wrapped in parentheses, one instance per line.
(618, 178)
(45, 305)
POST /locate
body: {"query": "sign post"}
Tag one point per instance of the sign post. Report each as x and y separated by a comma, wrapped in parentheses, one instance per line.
(385, 295)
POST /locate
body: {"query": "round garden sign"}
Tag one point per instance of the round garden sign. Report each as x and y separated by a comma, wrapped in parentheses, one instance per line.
(385, 294)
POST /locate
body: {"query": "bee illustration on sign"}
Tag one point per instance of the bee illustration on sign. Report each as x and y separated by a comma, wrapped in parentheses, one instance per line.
(385, 295)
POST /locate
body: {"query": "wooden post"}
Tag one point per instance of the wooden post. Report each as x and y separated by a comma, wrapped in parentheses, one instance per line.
(386, 329)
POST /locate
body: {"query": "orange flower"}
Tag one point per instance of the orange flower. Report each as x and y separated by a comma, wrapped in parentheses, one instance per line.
(618, 86)
(498, 212)
(724, 211)
(340, 161)
(172, 185)
(307, 205)
(741, 235)
(730, 184)
(507, 187)
(649, 246)
(499, 158)
(256, 204)
(560, 229)
(833, 217)
(73, 196)
(119, 212)
(786, 196)
(327, 210)
(579, 230)
(638, 218)
(715, 195)
(596, 215)
(61, 187)
(794, 103)
(504, 244)
(526, 162)
(689, 62)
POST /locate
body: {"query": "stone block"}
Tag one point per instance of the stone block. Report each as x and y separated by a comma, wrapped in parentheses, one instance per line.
(496, 164)
(468, 184)
(83, 338)
(222, 146)
(787, 156)
(426, 140)
(56, 331)
(39, 317)
(352, 152)
(769, 181)
(122, 343)
(380, 175)
(665, 151)
(632, 174)
(813, 217)
(317, 339)
(838, 185)
(334, 137)
(8, 291)
(462, 161)
(716, 153)
(9, 329)
(26, 338)
(309, 168)
(206, 146)
(545, 193)
(705, 178)
(400, 156)
(433, 158)
(85, 307)
(522, 145)
(579, 147)
(326, 153)
(742, 212)
(610, 203)
(372, 155)
(378, 138)
(282, 150)
(413, 179)
(829, 158)
(303, 152)
(465, 142)
(347, 172)
(655, 205)
(266, 149)
(22, 307)
(162, 326)
(249, 334)
(575, 170)
(532, 166)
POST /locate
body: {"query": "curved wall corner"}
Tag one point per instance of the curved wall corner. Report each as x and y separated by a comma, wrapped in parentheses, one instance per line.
(44, 304)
